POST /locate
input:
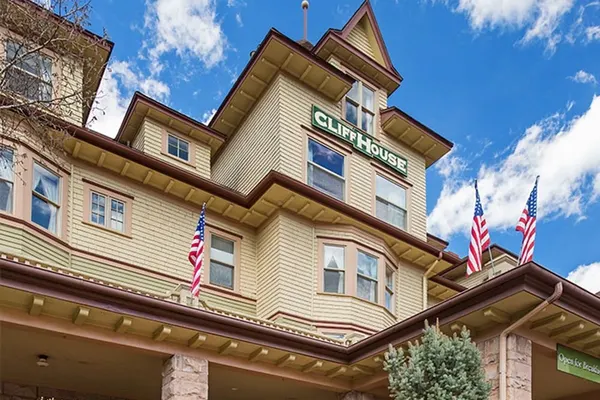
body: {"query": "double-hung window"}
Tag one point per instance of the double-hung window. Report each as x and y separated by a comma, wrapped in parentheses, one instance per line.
(366, 279)
(222, 262)
(325, 169)
(6, 179)
(359, 108)
(178, 148)
(390, 201)
(45, 198)
(101, 214)
(390, 284)
(333, 268)
(30, 75)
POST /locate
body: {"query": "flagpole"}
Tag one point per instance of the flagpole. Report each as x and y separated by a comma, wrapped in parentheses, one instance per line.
(492, 260)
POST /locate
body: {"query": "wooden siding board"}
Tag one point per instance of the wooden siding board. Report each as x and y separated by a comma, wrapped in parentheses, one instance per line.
(358, 38)
(409, 299)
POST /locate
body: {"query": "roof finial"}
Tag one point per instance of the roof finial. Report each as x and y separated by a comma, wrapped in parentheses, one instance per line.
(305, 9)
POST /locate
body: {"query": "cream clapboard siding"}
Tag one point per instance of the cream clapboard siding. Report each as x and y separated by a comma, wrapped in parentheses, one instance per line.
(501, 265)
(267, 268)
(140, 138)
(71, 84)
(410, 294)
(352, 310)
(358, 38)
(153, 135)
(160, 232)
(285, 259)
(254, 149)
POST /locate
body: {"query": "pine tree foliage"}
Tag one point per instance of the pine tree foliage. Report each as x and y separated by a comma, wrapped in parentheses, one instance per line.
(438, 368)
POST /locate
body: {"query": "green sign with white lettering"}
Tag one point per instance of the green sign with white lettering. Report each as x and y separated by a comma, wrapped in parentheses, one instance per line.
(362, 142)
(577, 363)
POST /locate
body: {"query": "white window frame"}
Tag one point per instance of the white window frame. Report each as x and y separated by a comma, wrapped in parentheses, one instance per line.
(40, 79)
(366, 277)
(179, 140)
(341, 271)
(315, 165)
(11, 182)
(361, 107)
(388, 203)
(391, 290)
(213, 260)
(47, 200)
(108, 212)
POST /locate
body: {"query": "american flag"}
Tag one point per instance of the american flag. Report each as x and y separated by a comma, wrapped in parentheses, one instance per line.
(526, 226)
(196, 254)
(480, 237)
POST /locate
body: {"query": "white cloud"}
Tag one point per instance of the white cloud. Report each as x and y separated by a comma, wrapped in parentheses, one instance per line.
(119, 82)
(190, 28)
(592, 33)
(564, 153)
(583, 77)
(207, 116)
(451, 165)
(540, 18)
(238, 19)
(587, 276)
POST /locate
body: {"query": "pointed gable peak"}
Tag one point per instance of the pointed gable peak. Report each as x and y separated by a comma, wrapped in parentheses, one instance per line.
(363, 26)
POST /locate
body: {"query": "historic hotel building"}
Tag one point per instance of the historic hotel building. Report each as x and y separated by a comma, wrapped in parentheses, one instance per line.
(318, 254)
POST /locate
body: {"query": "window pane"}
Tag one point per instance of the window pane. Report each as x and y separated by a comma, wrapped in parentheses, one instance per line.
(351, 113)
(366, 122)
(221, 275)
(333, 282)
(367, 265)
(98, 208)
(6, 164)
(389, 279)
(43, 213)
(117, 211)
(390, 213)
(325, 157)
(183, 154)
(6, 196)
(353, 93)
(366, 289)
(221, 250)
(367, 99)
(173, 141)
(391, 192)
(388, 301)
(326, 182)
(333, 257)
(183, 146)
(46, 183)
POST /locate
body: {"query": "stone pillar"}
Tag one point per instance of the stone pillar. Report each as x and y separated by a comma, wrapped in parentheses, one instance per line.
(357, 396)
(185, 378)
(518, 366)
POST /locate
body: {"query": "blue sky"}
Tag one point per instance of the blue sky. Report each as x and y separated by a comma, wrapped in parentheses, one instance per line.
(512, 83)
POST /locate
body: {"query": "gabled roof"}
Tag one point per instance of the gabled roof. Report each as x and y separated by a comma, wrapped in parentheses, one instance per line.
(365, 12)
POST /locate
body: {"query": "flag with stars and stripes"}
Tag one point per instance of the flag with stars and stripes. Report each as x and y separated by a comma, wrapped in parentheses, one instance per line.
(526, 226)
(480, 237)
(196, 254)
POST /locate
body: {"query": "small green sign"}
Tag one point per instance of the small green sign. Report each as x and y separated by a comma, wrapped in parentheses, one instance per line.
(577, 363)
(359, 140)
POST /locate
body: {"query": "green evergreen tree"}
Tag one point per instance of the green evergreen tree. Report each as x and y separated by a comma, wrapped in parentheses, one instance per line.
(438, 368)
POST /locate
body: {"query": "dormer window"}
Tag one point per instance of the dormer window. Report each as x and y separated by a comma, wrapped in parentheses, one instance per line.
(31, 74)
(178, 148)
(359, 107)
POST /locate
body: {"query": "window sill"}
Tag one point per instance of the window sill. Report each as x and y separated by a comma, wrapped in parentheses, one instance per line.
(104, 228)
(381, 306)
(179, 160)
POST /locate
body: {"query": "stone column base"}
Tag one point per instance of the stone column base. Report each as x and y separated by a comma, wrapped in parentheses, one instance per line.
(185, 378)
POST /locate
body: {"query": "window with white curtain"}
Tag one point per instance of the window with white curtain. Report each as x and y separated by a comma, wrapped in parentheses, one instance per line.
(30, 75)
(45, 198)
(222, 261)
(6, 179)
(333, 268)
(390, 201)
(366, 279)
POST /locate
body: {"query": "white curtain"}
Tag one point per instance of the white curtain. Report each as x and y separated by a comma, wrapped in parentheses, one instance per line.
(47, 184)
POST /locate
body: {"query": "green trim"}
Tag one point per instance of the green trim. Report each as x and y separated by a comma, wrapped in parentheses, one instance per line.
(359, 140)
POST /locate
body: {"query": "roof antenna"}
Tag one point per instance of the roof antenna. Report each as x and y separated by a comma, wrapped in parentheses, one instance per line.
(305, 8)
